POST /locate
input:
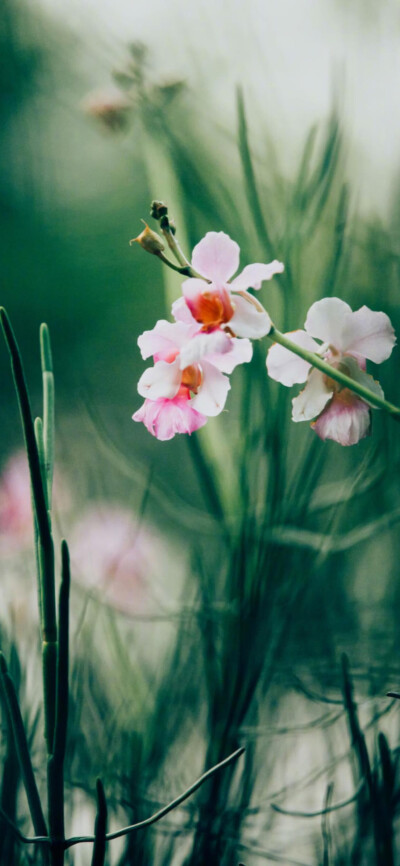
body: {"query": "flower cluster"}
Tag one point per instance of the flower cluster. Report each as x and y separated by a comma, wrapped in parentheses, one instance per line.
(348, 340)
(215, 319)
(194, 355)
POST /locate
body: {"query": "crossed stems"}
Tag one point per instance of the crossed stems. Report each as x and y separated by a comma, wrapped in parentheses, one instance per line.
(75, 840)
(276, 336)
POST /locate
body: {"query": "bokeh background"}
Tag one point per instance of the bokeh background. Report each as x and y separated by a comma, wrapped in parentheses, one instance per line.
(218, 580)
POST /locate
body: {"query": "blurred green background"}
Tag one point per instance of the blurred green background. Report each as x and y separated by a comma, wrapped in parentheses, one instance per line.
(279, 124)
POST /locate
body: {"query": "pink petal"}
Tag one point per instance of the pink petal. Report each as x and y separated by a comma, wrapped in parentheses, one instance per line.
(286, 367)
(253, 275)
(181, 312)
(345, 420)
(213, 391)
(312, 399)
(216, 257)
(326, 321)
(241, 352)
(162, 380)
(202, 345)
(369, 334)
(165, 339)
(164, 418)
(247, 321)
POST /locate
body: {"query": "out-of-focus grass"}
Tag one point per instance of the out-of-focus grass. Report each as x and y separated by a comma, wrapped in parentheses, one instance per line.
(283, 566)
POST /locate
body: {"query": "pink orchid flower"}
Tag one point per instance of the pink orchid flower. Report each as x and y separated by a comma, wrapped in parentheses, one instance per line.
(348, 341)
(216, 303)
(187, 384)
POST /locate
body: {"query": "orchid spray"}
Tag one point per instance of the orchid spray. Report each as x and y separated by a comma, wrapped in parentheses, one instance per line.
(217, 316)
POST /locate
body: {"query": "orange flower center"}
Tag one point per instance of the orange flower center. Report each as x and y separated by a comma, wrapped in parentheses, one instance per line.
(213, 309)
(191, 377)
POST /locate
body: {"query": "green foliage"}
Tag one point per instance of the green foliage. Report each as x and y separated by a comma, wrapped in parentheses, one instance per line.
(288, 537)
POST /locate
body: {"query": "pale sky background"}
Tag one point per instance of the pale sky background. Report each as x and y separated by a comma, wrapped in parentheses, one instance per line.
(286, 53)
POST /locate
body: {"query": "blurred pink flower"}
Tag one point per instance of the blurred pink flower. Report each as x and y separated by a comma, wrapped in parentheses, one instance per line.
(216, 304)
(109, 106)
(16, 521)
(187, 382)
(115, 557)
(16, 526)
(349, 340)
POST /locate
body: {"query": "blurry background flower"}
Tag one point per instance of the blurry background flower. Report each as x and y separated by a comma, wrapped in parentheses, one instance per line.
(16, 524)
(120, 560)
(110, 106)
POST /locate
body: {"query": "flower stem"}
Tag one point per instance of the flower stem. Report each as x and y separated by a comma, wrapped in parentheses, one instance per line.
(337, 375)
(48, 407)
(185, 269)
(175, 248)
(21, 744)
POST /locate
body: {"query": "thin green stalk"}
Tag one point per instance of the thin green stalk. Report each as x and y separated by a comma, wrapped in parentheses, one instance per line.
(164, 811)
(60, 735)
(27, 423)
(249, 177)
(185, 270)
(172, 242)
(45, 546)
(100, 827)
(333, 373)
(21, 745)
(38, 425)
(48, 407)
(76, 840)
(55, 766)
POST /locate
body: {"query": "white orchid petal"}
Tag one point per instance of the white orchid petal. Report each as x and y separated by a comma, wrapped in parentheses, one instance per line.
(211, 397)
(162, 380)
(216, 343)
(241, 352)
(216, 257)
(312, 399)
(253, 275)
(369, 334)
(247, 321)
(165, 338)
(326, 320)
(286, 367)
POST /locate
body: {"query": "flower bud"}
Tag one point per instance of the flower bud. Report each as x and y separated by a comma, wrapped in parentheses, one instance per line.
(158, 209)
(149, 241)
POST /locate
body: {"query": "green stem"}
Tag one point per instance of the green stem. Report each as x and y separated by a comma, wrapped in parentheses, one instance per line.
(100, 827)
(333, 373)
(60, 734)
(48, 407)
(174, 246)
(249, 177)
(21, 745)
(185, 270)
(39, 498)
(45, 540)
(76, 840)
(164, 811)
(55, 765)
(40, 446)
